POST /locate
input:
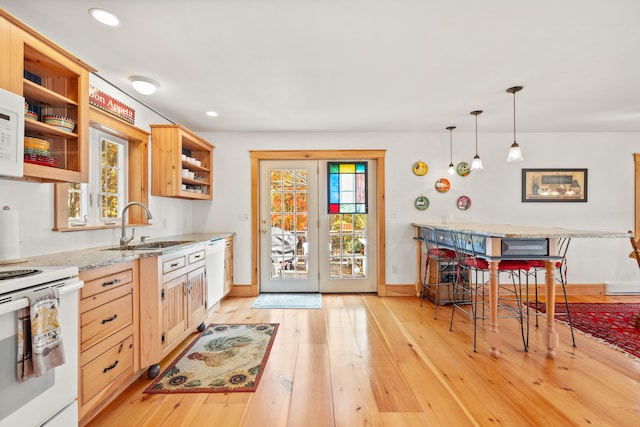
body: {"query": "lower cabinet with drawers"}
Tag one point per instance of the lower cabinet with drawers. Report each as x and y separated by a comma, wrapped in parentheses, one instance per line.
(108, 335)
(172, 302)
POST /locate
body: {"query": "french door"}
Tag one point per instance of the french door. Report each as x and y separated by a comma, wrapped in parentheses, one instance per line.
(307, 244)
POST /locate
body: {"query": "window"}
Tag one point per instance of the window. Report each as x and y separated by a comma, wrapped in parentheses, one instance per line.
(111, 194)
(101, 200)
(347, 187)
(71, 201)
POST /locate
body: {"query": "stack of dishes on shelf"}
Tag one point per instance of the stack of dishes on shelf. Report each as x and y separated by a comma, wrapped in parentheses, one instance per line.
(36, 151)
(63, 123)
(29, 114)
(191, 160)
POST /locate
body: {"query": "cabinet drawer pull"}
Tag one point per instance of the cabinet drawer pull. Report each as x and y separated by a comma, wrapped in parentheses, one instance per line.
(108, 368)
(110, 319)
(197, 256)
(111, 283)
(175, 264)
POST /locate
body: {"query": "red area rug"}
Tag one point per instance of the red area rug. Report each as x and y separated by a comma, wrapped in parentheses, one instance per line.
(609, 322)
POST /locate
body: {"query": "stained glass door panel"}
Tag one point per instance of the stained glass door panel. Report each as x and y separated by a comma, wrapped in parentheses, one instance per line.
(348, 264)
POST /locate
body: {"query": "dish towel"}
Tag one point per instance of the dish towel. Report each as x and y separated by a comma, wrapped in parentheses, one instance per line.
(39, 335)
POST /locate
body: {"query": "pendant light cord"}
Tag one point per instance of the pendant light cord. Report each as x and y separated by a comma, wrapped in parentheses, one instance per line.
(514, 116)
(451, 146)
(476, 134)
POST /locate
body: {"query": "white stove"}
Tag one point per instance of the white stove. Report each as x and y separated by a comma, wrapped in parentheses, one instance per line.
(16, 278)
(52, 398)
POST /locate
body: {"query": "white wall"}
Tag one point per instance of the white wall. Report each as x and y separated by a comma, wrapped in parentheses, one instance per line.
(495, 192)
(34, 201)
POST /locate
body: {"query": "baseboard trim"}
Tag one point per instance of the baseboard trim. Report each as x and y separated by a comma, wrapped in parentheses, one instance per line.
(400, 290)
(243, 291)
(410, 290)
(572, 289)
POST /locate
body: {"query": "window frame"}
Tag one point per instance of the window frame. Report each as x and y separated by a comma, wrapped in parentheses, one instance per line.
(375, 155)
(97, 186)
(137, 172)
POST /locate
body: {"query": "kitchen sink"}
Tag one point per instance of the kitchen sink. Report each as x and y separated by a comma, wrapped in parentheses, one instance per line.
(151, 245)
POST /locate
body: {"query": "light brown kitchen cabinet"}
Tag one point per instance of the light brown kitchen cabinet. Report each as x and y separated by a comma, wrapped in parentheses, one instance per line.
(172, 304)
(228, 264)
(196, 296)
(188, 177)
(53, 82)
(108, 335)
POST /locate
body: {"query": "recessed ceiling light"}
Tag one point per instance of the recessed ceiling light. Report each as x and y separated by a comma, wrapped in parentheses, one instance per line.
(104, 17)
(211, 114)
(144, 85)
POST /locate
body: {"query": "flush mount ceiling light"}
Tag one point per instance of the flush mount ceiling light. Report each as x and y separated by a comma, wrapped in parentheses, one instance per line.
(515, 154)
(476, 163)
(104, 17)
(452, 169)
(211, 114)
(144, 85)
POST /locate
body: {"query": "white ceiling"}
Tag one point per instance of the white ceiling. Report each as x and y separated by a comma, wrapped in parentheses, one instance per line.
(365, 65)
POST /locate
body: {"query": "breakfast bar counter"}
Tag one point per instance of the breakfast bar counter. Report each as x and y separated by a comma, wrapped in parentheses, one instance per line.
(498, 239)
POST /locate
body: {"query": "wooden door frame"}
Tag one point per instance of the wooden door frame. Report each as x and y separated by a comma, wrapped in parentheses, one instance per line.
(374, 155)
(636, 197)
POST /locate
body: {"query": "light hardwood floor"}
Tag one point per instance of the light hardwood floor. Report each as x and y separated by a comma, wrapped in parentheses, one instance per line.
(369, 361)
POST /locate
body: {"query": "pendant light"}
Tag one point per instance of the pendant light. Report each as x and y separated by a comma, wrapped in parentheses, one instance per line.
(476, 163)
(515, 154)
(452, 169)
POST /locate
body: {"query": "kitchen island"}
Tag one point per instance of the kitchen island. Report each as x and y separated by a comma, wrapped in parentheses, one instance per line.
(540, 242)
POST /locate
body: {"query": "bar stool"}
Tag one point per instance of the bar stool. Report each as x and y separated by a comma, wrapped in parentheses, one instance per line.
(444, 259)
(467, 260)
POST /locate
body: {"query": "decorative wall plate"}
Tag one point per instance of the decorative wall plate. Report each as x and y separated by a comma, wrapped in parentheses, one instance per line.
(443, 185)
(420, 168)
(421, 203)
(463, 169)
(463, 203)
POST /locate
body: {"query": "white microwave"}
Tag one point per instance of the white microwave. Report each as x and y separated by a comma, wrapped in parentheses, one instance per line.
(11, 134)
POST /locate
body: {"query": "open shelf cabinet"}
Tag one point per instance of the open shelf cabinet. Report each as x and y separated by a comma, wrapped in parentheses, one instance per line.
(53, 82)
(182, 163)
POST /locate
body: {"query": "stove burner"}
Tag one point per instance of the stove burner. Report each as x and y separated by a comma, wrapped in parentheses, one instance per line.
(13, 274)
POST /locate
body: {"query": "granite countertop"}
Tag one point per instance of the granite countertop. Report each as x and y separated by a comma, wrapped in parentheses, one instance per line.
(101, 256)
(510, 231)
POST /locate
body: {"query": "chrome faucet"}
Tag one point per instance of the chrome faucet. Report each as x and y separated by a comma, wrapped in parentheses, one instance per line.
(124, 239)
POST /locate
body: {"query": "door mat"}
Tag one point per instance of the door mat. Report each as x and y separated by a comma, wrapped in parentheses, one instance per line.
(311, 301)
(612, 323)
(224, 358)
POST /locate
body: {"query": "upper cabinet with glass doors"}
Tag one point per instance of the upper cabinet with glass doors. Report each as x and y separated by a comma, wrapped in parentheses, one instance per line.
(182, 163)
(55, 86)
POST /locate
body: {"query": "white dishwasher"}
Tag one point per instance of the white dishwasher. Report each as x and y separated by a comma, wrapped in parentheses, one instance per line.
(215, 271)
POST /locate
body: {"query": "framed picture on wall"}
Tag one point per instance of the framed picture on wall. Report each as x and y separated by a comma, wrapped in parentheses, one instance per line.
(554, 185)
